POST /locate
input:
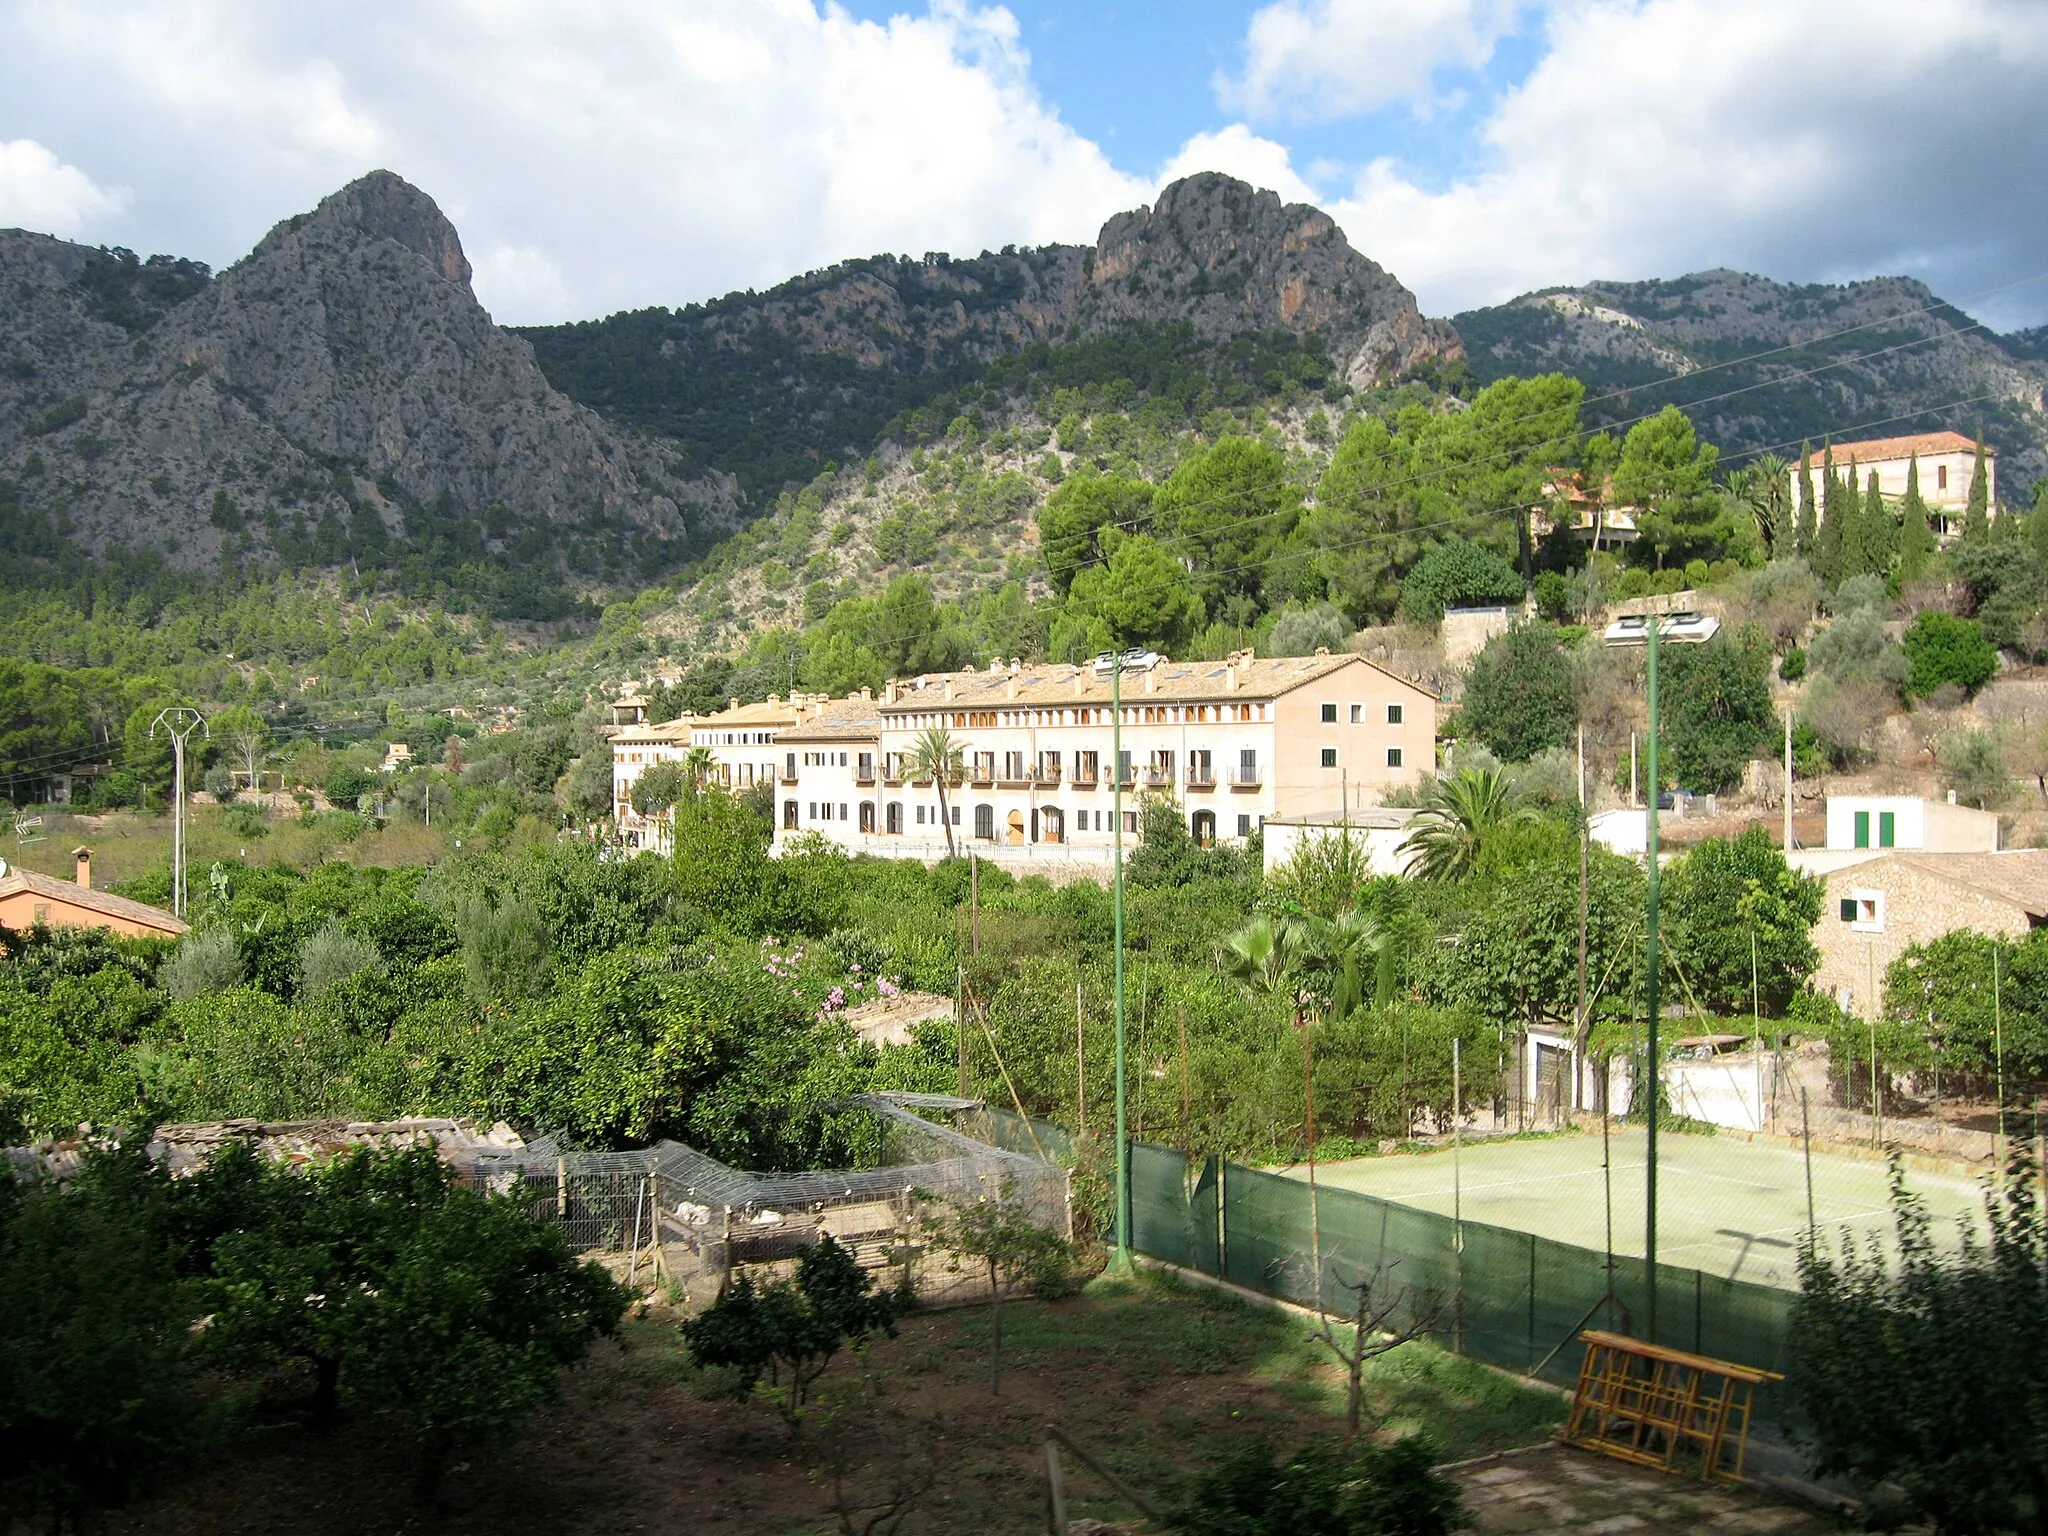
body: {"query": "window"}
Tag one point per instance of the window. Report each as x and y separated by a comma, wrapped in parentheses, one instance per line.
(1131, 823)
(1887, 828)
(789, 815)
(1393, 757)
(1244, 826)
(985, 823)
(1848, 911)
(1941, 477)
(1329, 757)
(1358, 714)
(1864, 911)
(1394, 714)
(893, 818)
(842, 810)
(867, 815)
(1863, 829)
(956, 815)
(1202, 826)
(1329, 714)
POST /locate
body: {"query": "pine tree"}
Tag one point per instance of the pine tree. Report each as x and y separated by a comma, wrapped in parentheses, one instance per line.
(1803, 537)
(1827, 543)
(1916, 535)
(1977, 518)
(1878, 535)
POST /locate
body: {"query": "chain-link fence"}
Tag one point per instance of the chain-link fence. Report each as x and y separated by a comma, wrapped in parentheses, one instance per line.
(1513, 1299)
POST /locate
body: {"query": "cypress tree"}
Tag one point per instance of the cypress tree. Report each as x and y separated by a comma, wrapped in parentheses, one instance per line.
(1878, 539)
(1977, 517)
(1803, 536)
(1827, 543)
(2037, 522)
(1916, 535)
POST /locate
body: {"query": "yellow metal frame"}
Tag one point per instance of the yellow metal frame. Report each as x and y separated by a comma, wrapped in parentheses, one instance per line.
(1663, 1408)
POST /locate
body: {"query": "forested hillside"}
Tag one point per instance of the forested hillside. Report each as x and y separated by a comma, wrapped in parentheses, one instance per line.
(1763, 366)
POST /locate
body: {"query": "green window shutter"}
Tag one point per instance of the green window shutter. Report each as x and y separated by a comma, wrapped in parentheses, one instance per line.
(1863, 829)
(1848, 909)
(1886, 828)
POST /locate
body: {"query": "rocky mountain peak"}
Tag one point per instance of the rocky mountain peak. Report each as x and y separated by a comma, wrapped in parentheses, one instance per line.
(377, 207)
(1230, 258)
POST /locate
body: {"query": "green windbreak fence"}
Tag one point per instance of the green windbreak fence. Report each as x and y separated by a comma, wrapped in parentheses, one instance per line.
(1513, 1299)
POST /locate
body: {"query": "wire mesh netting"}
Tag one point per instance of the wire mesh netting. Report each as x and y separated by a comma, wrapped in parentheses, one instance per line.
(693, 1220)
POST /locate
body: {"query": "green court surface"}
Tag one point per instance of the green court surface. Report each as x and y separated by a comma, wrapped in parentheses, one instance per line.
(1724, 1205)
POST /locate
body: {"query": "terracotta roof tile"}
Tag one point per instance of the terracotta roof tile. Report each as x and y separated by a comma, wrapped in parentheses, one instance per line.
(98, 901)
(1872, 450)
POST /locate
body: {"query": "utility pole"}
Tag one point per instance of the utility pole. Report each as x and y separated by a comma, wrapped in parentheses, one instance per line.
(178, 722)
(1121, 1262)
(1652, 1073)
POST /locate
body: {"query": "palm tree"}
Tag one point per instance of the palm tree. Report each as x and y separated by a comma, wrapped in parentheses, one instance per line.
(1461, 816)
(1268, 957)
(935, 755)
(700, 763)
(1764, 490)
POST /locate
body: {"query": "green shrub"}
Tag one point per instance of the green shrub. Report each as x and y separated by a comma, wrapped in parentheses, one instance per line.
(1941, 648)
(1323, 1489)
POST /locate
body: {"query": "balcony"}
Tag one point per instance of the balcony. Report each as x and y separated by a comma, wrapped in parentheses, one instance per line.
(1201, 778)
(787, 775)
(1084, 776)
(892, 773)
(864, 774)
(981, 775)
(1247, 778)
(1046, 776)
(1158, 778)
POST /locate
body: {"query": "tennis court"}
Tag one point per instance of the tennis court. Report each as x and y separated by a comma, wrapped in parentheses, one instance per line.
(1726, 1206)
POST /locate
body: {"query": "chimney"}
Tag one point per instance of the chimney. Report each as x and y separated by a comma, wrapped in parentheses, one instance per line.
(949, 690)
(889, 691)
(773, 698)
(1077, 682)
(1150, 685)
(82, 857)
(1010, 689)
(1230, 677)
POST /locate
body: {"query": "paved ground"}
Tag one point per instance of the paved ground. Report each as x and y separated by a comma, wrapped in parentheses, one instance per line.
(1561, 1489)
(1724, 1205)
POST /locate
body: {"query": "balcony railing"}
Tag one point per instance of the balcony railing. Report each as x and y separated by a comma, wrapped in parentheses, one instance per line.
(1247, 778)
(891, 774)
(1158, 778)
(786, 774)
(864, 773)
(1046, 775)
(1084, 775)
(1201, 778)
(981, 774)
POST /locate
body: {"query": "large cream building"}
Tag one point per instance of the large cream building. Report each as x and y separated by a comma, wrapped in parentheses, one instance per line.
(1947, 464)
(1234, 743)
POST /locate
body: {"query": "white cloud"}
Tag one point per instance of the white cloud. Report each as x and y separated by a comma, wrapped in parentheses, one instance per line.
(1237, 151)
(1817, 141)
(1313, 60)
(608, 154)
(40, 192)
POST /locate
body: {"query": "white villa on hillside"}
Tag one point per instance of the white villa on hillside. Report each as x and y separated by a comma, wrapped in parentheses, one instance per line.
(1948, 464)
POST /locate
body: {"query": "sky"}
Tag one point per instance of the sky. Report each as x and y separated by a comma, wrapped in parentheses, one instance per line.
(615, 154)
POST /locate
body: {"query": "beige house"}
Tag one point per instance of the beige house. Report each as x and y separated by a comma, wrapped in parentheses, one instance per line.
(1234, 742)
(1948, 464)
(29, 900)
(1877, 909)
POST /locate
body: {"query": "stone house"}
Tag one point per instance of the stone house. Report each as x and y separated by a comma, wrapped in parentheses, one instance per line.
(1877, 909)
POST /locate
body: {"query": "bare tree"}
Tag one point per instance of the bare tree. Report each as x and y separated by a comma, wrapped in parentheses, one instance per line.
(1382, 1318)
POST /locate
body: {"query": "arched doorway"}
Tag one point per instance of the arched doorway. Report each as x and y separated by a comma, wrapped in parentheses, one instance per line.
(1052, 825)
(1016, 828)
(1204, 829)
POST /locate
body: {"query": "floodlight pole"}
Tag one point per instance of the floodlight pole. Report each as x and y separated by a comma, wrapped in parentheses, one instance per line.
(178, 722)
(1651, 1062)
(1121, 1261)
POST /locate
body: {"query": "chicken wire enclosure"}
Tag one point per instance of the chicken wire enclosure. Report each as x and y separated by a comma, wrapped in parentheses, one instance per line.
(693, 1220)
